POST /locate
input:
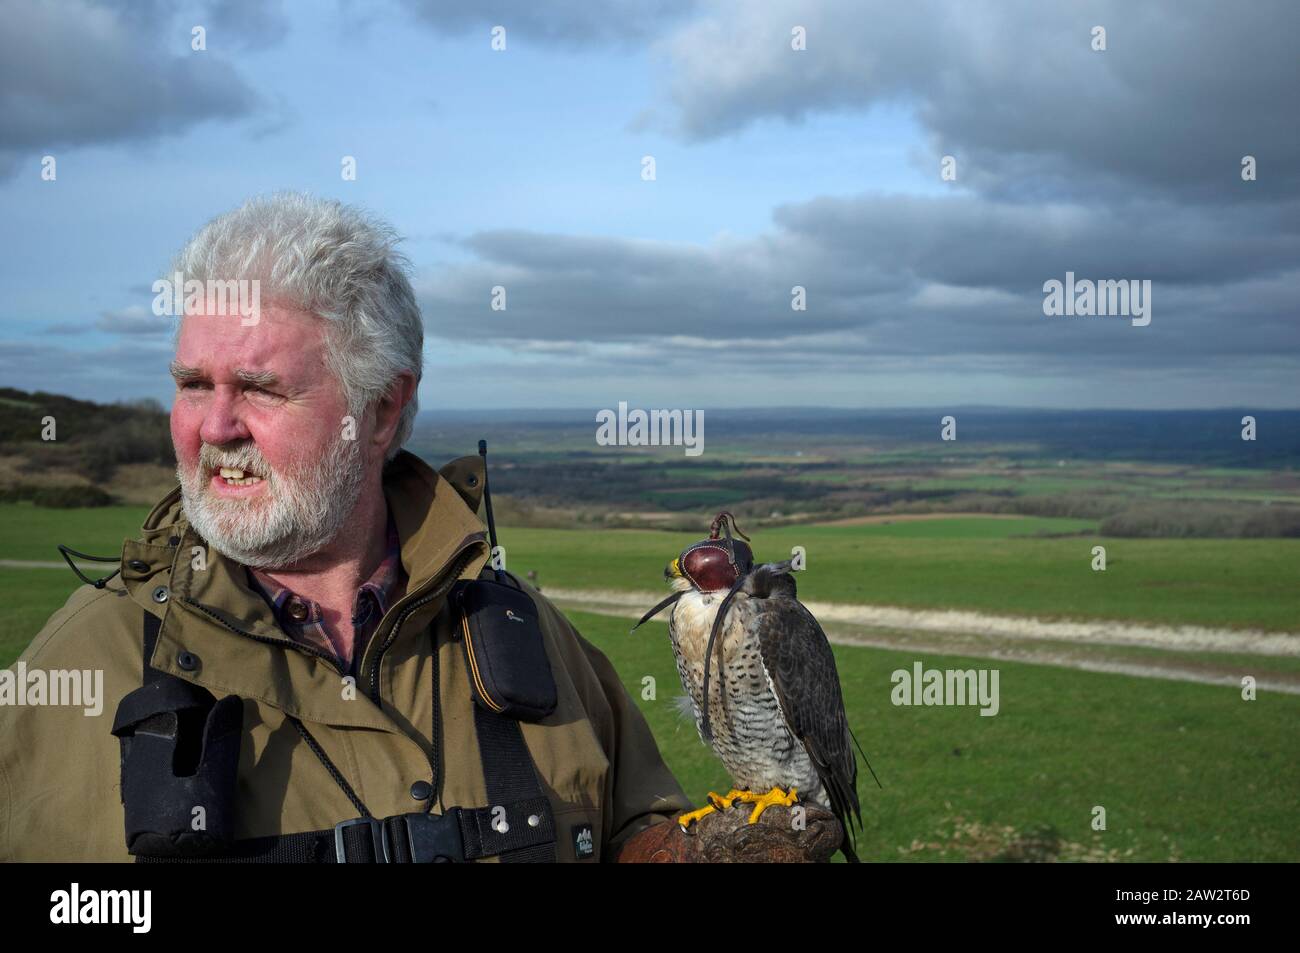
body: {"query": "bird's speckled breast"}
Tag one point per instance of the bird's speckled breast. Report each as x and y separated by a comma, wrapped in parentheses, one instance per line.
(750, 734)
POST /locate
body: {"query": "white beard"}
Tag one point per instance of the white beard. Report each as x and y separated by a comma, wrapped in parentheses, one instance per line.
(300, 513)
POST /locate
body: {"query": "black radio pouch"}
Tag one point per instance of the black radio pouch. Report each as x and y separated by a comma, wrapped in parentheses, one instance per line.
(180, 759)
(505, 650)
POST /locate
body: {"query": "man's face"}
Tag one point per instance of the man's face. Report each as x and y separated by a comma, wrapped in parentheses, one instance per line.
(260, 402)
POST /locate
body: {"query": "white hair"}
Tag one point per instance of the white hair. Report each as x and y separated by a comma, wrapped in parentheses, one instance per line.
(332, 260)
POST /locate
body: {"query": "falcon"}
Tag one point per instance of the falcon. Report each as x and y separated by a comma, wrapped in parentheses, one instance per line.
(775, 713)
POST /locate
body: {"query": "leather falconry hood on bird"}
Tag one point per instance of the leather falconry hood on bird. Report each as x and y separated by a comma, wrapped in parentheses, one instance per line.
(715, 564)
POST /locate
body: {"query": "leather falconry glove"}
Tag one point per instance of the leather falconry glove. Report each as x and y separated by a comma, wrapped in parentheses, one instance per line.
(727, 837)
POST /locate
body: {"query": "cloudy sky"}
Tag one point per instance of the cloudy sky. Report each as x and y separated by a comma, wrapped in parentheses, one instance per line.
(774, 167)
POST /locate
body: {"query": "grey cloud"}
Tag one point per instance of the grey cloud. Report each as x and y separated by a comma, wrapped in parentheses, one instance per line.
(974, 241)
(1013, 89)
(892, 277)
(805, 372)
(120, 371)
(75, 74)
(133, 320)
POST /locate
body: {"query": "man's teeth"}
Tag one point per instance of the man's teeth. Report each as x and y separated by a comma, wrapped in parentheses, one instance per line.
(234, 476)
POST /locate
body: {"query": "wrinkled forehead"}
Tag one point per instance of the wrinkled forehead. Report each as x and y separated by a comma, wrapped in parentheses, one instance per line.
(282, 341)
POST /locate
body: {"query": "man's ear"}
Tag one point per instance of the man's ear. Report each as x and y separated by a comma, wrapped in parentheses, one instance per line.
(388, 409)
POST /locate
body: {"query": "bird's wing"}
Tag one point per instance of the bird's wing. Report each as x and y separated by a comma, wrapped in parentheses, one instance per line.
(798, 659)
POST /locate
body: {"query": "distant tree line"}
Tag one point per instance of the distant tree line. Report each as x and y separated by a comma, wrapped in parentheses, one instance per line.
(90, 439)
(1190, 520)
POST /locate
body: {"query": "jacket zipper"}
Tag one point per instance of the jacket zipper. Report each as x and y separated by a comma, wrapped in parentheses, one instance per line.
(462, 557)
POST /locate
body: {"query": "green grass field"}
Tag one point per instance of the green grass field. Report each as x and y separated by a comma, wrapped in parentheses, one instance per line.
(1184, 771)
(34, 533)
(984, 565)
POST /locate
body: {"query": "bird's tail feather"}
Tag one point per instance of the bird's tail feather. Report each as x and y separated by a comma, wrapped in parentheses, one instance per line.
(844, 805)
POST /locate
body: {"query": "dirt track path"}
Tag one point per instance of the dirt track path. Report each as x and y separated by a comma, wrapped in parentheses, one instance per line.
(1086, 645)
(882, 518)
(1071, 644)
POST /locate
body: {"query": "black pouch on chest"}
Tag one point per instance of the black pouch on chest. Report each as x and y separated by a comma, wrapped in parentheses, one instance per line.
(498, 627)
(180, 762)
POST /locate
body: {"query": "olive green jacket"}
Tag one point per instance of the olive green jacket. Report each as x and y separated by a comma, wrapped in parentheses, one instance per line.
(60, 769)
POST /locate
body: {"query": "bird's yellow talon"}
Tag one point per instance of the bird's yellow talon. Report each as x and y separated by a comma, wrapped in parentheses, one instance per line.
(762, 802)
(686, 820)
(723, 801)
(717, 802)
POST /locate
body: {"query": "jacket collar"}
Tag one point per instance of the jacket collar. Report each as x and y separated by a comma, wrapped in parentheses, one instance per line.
(171, 564)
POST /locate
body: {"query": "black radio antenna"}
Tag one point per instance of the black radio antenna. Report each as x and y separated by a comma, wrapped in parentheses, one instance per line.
(487, 497)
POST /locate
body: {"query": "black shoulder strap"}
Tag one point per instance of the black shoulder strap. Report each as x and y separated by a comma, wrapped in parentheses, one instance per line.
(520, 826)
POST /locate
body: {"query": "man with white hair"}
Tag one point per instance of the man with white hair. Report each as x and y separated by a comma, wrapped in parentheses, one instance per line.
(295, 668)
